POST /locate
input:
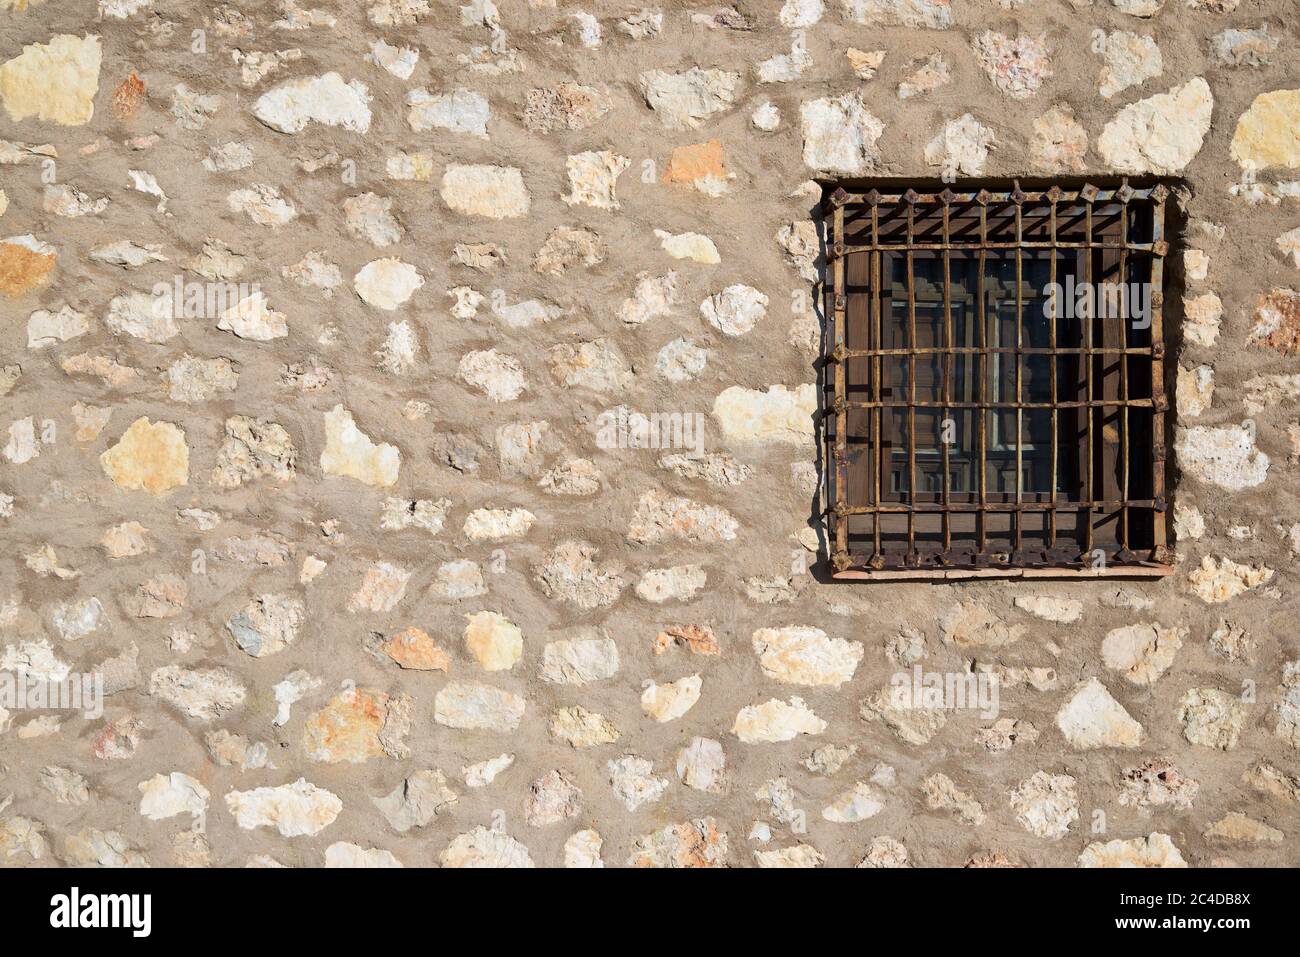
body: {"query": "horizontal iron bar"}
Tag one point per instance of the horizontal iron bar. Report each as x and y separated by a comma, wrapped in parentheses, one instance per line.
(1151, 194)
(1093, 404)
(1157, 248)
(959, 572)
(1005, 350)
(1154, 505)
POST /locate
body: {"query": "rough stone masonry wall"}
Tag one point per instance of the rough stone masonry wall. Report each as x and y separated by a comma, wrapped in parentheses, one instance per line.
(364, 577)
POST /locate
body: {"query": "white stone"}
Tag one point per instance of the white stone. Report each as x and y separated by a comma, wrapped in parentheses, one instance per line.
(1219, 580)
(736, 310)
(399, 61)
(777, 415)
(660, 517)
(840, 134)
(1194, 390)
(776, 720)
(470, 706)
(1161, 134)
(382, 588)
(1128, 59)
(1212, 718)
(633, 781)
(460, 111)
(483, 773)
(694, 246)
(583, 850)
(387, 283)
(76, 620)
(351, 453)
(204, 693)
(593, 178)
(251, 318)
(142, 316)
(766, 117)
(962, 146)
(682, 101)
(54, 81)
(702, 765)
(1223, 456)
(681, 360)
(262, 204)
(1093, 719)
(679, 583)
(345, 854)
(1046, 804)
(167, 795)
(1202, 316)
(579, 661)
(805, 655)
(496, 374)
(669, 701)
(917, 14)
(326, 99)
(859, 803)
(294, 809)
(1155, 850)
(1065, 611)
(801, 13)
(483, 848)
(369, 217)
(786, 67)
(493, 192)
(1142, 652)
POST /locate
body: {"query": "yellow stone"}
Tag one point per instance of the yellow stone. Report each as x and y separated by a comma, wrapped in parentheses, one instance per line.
(54, 82)
(1268, 134)
(150, 455)
(495, 642)
(351, 453)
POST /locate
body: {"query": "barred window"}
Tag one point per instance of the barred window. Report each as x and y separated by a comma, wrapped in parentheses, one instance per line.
(994, 387)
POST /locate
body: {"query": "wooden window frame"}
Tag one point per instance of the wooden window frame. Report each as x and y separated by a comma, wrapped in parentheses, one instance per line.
(1104, 531)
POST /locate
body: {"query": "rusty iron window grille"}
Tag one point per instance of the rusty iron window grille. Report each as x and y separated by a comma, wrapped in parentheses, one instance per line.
(994, 397)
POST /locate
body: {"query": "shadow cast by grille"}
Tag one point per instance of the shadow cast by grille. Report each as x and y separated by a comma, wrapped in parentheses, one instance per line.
(995, 395)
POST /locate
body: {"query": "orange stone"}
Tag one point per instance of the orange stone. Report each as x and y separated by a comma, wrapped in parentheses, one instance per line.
(691, 844)
(127, 96)
(348, 728)
(695, 162)
(414, 649)
(700, 639)
(23, 269)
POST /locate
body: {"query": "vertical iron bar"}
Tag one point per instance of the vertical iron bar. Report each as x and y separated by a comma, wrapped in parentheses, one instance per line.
(1158, 375)
(840, 302)
(946, 377)
(1087, 357)
(911, 382)
(876, 335)
(1020, 426)
(982, 515)
(1051, 342)
(1124, 318)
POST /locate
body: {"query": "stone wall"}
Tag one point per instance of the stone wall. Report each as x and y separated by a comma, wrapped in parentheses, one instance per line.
(328, 332)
